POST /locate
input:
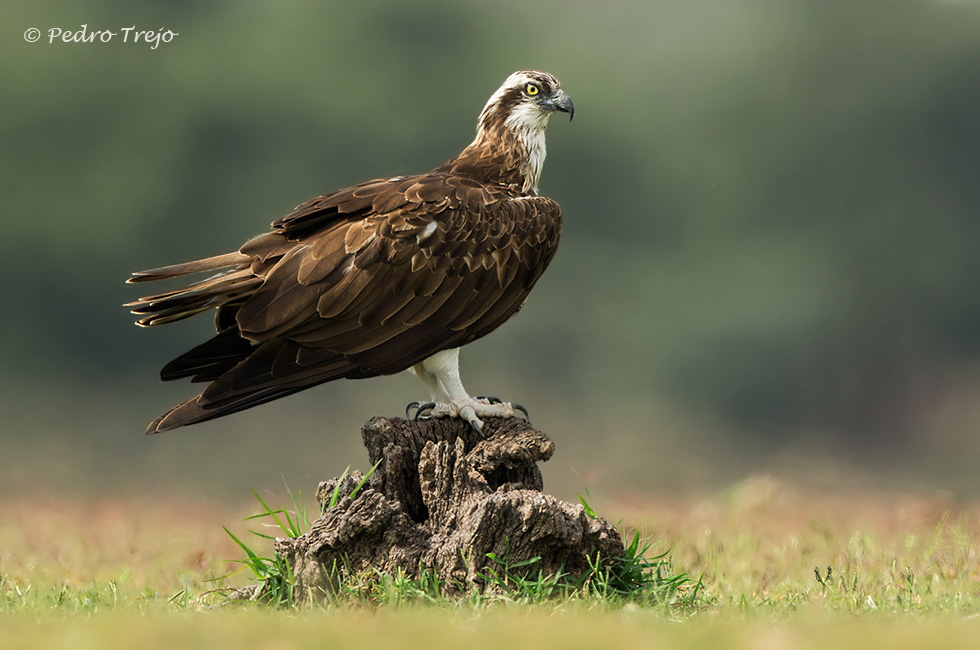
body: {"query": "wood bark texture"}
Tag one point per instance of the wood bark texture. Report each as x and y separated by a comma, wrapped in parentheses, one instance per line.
(442, 499)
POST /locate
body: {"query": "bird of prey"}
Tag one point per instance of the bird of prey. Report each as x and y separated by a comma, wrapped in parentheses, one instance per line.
(388, 275)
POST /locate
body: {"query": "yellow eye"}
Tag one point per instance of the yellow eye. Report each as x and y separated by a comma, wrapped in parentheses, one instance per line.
(531, 90)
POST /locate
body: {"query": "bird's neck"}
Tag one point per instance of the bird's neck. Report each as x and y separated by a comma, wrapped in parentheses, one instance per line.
(505, 154)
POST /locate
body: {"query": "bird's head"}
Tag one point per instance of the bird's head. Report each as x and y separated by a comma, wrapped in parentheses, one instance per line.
(509, 145)
(525, 102)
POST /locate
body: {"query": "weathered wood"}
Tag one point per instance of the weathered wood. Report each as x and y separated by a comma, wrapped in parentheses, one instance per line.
(441, 500)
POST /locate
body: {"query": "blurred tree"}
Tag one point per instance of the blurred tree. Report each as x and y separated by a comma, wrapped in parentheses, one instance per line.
(771, 210)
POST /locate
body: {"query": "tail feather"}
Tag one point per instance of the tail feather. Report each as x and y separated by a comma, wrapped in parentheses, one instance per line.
(198, 409)
(211, 359)
(182, 303)
(197, 266)
(192, 411)
(244, 375)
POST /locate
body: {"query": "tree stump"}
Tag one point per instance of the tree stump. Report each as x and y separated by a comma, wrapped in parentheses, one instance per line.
(441, 500)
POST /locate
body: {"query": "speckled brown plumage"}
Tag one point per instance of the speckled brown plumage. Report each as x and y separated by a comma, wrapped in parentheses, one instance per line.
(368, 280)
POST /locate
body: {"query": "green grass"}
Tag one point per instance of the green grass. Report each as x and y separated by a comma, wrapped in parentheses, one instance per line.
(538, 626)
(777, 568)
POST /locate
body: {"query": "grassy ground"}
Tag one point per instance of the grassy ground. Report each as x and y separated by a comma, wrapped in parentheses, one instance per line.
(891, 571)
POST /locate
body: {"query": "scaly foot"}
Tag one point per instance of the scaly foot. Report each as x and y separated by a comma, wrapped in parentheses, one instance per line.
(469, 409)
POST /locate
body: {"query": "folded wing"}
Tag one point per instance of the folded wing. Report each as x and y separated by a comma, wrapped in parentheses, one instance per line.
(366, 281)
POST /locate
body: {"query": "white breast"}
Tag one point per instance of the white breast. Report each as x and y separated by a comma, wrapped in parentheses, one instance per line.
(528, 122)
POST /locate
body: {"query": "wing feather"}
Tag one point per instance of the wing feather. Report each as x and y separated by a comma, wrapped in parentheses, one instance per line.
(326, 255)
(366, 281)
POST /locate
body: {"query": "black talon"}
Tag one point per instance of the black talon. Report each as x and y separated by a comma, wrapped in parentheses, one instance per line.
(408, 409)
(479, 429)
(490, 400)
(423, 407)
(527, 416)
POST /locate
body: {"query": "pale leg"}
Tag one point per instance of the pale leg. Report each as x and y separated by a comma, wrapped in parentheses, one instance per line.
(440, 375)
(436, 392)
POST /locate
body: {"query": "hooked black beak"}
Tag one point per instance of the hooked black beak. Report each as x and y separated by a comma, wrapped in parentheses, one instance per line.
(560, 102)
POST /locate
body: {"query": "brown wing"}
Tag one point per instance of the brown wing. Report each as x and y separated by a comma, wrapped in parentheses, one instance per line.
(367, 281)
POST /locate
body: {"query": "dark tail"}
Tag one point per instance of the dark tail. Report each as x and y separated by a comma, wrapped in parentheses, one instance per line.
(257, 374)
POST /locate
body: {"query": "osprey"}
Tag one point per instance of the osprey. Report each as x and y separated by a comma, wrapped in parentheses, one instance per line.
(388, 275)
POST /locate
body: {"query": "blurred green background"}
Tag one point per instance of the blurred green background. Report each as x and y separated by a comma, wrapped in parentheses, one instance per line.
(769, 261)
